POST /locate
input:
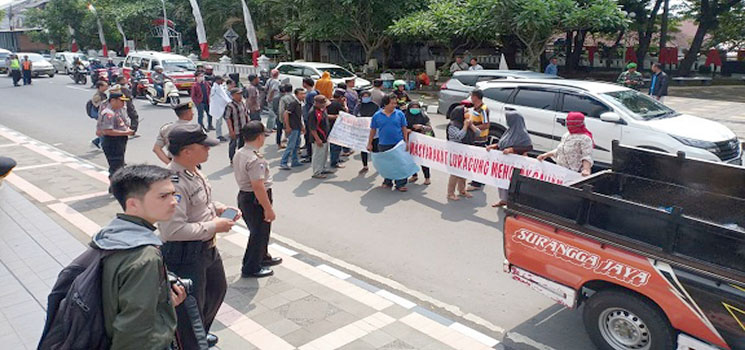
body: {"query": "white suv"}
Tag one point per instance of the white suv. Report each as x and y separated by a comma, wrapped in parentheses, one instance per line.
(613, 113)
(294, 72)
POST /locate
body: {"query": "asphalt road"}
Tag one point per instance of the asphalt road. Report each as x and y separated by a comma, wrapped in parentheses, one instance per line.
(451, 252)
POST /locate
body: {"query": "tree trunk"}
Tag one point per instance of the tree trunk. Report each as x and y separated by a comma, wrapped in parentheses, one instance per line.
(663, 29)
(568, 41)
(576, 52)
(510, 45)
(685, 66)
(645, 36)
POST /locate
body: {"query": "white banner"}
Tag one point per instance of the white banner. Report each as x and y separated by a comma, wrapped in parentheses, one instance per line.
(351, 132)
(475, 163)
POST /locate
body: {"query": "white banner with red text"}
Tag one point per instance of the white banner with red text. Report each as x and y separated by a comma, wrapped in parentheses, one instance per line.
(488, 167)
(351, 132)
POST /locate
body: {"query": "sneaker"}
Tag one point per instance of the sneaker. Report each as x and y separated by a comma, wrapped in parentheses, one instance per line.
(319, 176)
(338, 166)
(285, 167)
(211, 128)
(296, 164)
(222, 139)
(305, 160)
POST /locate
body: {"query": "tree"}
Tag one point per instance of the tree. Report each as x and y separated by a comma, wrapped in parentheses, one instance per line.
(447, 23)
(590, 16)
(730, 34)
(707, 13)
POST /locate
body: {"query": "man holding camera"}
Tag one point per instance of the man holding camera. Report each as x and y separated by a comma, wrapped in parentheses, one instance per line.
(189, 247)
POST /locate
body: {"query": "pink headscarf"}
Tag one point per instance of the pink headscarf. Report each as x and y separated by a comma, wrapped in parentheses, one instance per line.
(576, 124)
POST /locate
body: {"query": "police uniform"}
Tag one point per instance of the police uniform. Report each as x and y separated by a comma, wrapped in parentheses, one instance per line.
(114, 147)
(250, 165)
(189, 248)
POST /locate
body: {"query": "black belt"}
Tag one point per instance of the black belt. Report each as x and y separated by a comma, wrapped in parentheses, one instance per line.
(268, 191)
(185, 251)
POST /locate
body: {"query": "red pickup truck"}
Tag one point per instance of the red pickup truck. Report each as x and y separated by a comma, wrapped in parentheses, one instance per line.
(654, 249)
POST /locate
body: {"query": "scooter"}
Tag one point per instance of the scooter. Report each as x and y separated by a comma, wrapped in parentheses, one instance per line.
(80, 75)
(140, 86)
(170, 94)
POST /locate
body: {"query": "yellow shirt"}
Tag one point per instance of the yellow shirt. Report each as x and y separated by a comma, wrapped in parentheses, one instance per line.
(480, 116)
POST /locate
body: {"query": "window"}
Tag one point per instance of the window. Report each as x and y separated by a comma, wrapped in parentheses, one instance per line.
(589, 106)
(179, 66)
(540, 99)
(468, 80)
(154, 63)
(291, 70)
(498, 94)
(308, 72)
(145, 64)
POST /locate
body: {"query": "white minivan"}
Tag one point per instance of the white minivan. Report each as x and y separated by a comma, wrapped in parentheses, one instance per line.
(294, 72)
(612, 112)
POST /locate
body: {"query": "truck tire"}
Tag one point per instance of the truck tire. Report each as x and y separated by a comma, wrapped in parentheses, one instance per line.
(616, 319)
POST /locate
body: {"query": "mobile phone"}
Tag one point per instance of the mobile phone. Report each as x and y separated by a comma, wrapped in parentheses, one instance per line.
(229, 213)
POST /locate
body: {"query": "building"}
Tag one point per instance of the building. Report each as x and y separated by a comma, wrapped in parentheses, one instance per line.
(13, 29)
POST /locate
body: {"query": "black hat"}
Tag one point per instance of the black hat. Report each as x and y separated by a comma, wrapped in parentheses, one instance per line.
(183, 135)
(235, 90)
(183, 107)
(117, 94)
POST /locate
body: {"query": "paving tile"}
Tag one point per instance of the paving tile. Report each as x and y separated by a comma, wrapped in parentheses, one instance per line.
(378, 339)
(300, 337)
(358, 345)
(282, 327)
(294, 294)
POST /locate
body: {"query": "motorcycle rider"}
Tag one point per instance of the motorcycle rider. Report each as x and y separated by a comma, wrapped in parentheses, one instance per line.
(135, 76)
(159, 78)
(94, 66)
(112, 69)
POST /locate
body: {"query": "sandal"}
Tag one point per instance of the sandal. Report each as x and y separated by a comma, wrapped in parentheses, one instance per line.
(387, 186)
(363, 170)
(414, 179)
(427, 182)
(466, 194)
(402, 189)
(453, 197)
(499, 204)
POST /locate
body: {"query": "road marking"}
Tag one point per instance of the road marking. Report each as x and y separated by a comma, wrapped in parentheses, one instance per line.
(447, 335)
(405, 303)
(77, 88)
(550, 316)
(84, 196)
(521, 339)
(257, 335)
(468, 331)
(349, 333)
(35, 166)
(33, 191)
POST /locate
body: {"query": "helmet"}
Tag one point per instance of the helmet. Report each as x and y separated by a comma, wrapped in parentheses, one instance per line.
(158, 67)
(208, 67)
(95, 60)
(398, 83)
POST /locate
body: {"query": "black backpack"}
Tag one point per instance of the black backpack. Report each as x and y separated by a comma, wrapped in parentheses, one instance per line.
(74, 310)
(89, 109)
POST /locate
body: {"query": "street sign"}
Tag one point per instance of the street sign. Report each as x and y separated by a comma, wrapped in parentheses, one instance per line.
(230, 35)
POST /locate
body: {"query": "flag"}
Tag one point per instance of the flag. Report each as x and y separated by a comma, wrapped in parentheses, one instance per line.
(503, 63)
(74, 44)
(251, 33)
(124, 37)
(201, 35)
(166, 43)
(100, 31)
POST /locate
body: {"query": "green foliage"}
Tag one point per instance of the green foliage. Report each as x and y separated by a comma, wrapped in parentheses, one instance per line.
(444, 21)
(730, 32)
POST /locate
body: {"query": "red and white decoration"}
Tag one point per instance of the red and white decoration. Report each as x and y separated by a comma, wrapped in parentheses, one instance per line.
(251, 33)
(201, 34)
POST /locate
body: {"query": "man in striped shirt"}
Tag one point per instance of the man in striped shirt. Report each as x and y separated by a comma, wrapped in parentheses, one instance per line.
(236, 116)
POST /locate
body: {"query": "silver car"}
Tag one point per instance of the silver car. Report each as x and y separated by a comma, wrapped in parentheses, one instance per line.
(4, 57)
(459, 87)
(39, 66)
(64, 61)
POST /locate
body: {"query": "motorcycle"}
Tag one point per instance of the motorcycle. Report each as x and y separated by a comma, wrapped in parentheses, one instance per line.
(170, 94)
(139, 87)
(99, 74)
(80, 75)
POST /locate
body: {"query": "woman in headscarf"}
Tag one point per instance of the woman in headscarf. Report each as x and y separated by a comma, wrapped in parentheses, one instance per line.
(575, 149)
(325, 86)
(460, 130)
(366, 109)
(514, 141)
(417, 120)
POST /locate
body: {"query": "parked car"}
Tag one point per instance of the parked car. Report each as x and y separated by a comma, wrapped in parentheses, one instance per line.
(294, 72)
(459, 87)
(180, 68)
(63, 61)
(4, 56)
(39, 65)
(613, 113)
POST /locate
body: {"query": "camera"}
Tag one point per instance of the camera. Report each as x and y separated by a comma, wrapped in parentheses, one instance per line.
(186, 283)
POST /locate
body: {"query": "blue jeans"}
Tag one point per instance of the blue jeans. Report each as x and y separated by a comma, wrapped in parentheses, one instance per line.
(158, 88)
(202, 109)
(26, 77)
(293, 143)
(335, 151)
(399, 182)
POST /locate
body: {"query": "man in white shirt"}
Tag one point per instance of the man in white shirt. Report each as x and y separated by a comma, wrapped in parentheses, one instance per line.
(475, 65)
(218, 100)
(458, 65)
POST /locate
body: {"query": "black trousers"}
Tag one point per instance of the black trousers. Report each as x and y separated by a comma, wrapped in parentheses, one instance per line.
(16, 74)
(133, 116)
(479, 144)
(202, 264)
(235, 143)
(365, 155)
(114, 148)
(253, 215)
(308, 142)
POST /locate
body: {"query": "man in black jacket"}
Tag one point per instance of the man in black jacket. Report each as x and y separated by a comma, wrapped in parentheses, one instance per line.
(658, 85)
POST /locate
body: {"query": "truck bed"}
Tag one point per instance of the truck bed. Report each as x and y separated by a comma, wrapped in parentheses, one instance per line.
(686, 212)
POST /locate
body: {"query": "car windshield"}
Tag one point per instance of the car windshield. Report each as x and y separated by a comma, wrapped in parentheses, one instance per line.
(81, 57)
(640, 105)
(35, 57)
(336, 72)
(179, 66)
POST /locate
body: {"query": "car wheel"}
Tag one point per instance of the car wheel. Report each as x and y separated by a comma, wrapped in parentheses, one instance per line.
(51, 75)
(495, 134)
(617, 319)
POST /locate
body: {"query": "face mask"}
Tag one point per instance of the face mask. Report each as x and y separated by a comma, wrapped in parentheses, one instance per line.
(415, 111)
(366, 99)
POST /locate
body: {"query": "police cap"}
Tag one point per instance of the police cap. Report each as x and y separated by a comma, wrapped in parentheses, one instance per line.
(183, 135)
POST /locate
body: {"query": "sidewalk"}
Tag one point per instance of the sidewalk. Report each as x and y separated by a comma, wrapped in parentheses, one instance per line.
(306, 305)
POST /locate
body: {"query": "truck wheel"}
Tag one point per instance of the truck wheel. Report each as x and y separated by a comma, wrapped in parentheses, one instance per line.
(619, 320)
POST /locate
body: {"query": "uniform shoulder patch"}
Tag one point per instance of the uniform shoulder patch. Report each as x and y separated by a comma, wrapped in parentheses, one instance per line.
(177, 196)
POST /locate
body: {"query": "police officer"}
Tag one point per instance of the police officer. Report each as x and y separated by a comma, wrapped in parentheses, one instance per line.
(189, 238)
(255, 199)
(114, 125)
(185, 114)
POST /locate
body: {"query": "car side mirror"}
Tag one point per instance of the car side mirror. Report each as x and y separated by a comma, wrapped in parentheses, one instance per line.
(315, 77)
(610, 117)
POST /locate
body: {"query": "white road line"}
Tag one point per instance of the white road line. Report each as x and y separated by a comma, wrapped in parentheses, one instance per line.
(405, 303)
(349, 333)
(333, 271)
(483, 338)
(550, 316)
(77, 88)
(35, 166)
